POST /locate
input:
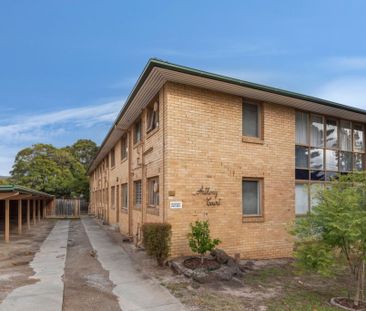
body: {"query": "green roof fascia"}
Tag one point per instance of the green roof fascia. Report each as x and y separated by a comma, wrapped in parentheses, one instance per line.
(16, 188)
(154, 62)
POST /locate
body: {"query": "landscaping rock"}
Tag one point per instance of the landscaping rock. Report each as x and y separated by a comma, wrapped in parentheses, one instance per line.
(234, 267)
(200, 276)
(223, 274)
(220, 256)
(180, 269)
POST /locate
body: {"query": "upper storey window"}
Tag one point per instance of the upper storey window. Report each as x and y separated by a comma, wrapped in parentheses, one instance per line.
(152, 117)
(137, 132)
(252, 119)
(326, 146)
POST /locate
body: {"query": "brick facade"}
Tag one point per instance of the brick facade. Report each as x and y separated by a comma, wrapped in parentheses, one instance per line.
(198, 143)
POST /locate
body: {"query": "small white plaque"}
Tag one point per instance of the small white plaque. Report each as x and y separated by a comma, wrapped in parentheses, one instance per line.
(176, 204)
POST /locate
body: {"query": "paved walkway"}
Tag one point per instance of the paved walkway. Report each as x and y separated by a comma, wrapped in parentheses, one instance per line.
(135, 290)
(48, 264)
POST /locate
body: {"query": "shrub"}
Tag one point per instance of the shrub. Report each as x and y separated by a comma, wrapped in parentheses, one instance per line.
(156, 240)
(199, 239)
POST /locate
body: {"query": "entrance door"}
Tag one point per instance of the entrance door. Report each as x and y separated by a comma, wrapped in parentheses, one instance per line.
(117, 205)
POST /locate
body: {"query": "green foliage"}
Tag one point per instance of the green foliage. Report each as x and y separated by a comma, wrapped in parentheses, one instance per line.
(199, 238)
(46, 168)
(157, 240)
(84, 151)
(335, 230)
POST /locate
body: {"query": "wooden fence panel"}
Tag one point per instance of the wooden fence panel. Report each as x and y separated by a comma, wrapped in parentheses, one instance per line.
(65, 208)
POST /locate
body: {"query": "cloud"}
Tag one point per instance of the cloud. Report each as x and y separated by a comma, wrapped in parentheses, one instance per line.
(348, 63)
(26, 128)
(347, 90)
(51, 127)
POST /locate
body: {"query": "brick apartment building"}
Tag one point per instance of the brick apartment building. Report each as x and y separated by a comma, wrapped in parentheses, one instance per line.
(193, 145)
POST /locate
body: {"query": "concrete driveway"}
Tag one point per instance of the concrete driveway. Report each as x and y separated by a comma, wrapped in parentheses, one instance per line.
(79, 267)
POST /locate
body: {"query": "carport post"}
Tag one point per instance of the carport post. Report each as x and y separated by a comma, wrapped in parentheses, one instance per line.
(39, 209)
(7, 223)
(44, 209)
(34, 212)
(20, 217)
(28, 214)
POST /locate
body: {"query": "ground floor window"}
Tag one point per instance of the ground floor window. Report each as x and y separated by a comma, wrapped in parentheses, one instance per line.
(306, 196)
(138, 193)
(252, 197)
(124, 196)
(153, 191)
(113, 191)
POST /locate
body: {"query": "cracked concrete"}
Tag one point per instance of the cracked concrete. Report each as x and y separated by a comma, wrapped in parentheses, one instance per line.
(48, 265)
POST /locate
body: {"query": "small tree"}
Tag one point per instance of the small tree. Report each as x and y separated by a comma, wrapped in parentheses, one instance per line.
(199, 239)
(334, 232)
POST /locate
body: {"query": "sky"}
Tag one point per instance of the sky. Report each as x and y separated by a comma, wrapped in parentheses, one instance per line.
(66, 67)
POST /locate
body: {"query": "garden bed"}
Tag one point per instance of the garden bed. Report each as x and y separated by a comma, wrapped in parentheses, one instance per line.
(194, 263)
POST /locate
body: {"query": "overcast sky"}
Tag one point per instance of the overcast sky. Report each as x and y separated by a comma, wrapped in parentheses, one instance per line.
(67, 66)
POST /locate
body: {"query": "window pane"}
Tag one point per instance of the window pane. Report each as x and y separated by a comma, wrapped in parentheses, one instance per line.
(331, 160)
(302, 134)
(345, 138)
(138, 195)
(316, 159)
(301, 199)
(345, 161)
(317, 175)
(315, 190)
(317, 131)
(302, 174)
(330, 176)
(251, 197)
(332, 133)
(359, 162)
(250, 120)
(302, 157)
(358, 137)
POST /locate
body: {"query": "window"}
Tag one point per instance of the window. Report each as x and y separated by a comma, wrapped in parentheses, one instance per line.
(331, 133)
(153, 117)
(251, 120)
(251, 197)
(117, 197)
(345, 136)
(113, 158)
(301, 199)
(153, 191)
(138, 193)
(113, 197)
(334, 147)
(124, 147)
(358, 138)
(137, 132)
(317, 131)
(124, 196)
(302, 133)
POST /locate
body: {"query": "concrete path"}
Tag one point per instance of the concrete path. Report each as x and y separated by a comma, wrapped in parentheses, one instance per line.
(135, 290)
(48, 264)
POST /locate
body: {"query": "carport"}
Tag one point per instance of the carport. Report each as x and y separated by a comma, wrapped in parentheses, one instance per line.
(21, 206)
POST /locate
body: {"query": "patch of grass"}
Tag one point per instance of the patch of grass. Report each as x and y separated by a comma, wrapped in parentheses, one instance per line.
(264, 275)
(301, 300)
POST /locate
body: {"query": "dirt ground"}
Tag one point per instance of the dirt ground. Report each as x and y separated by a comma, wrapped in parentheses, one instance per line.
(15, 257)
(87, 284)
(271, 285)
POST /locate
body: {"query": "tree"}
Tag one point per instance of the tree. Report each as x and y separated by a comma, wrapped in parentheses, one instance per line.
(46, 168)
(335, 231)
(84, 150)
(199, 239)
